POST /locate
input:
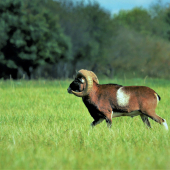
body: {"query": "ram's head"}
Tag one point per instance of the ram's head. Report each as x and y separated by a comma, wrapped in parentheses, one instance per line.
(83, 83)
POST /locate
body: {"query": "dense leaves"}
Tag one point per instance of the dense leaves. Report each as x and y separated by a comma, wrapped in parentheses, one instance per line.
(46, 38)
(31, 36)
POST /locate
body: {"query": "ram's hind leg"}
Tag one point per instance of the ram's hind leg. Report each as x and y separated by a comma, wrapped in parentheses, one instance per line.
(156, 118)
(145, 120)
(165, 124)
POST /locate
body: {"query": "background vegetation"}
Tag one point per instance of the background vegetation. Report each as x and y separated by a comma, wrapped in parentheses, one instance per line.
(46, 38)
(44, 127)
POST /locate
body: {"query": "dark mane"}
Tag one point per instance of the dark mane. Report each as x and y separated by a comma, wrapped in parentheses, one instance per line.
(114, 84)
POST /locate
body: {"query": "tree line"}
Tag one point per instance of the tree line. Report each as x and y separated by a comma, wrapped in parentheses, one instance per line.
(53, 39)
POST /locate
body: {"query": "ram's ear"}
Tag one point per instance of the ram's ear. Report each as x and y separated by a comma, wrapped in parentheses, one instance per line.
(81, 80)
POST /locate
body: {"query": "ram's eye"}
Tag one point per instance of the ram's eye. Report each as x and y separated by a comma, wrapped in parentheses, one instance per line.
(81, 80)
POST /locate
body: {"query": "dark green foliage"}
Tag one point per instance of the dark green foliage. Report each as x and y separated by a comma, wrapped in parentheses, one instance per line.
(46, 38)
(137, 19)
(90, 30)
(168, 21)
(31, 36)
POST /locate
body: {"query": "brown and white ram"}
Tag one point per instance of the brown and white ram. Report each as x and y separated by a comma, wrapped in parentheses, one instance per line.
(107, 101)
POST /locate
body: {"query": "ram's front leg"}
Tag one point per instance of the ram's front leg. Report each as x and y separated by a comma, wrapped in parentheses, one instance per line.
(108, 115)
(108, 118)
(109, 121)
(96, 122)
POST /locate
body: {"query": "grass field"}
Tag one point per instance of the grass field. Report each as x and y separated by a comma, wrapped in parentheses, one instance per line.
(44, 127)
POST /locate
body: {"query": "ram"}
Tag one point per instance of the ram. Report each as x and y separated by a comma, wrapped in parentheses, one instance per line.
(107, 101)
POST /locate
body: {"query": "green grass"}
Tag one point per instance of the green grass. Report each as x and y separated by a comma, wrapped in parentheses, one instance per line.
(44, 127)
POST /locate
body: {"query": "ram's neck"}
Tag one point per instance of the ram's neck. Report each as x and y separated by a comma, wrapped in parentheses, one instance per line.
(91, 98)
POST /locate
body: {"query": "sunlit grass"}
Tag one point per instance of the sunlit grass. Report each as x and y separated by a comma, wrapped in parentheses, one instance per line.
(43, 127)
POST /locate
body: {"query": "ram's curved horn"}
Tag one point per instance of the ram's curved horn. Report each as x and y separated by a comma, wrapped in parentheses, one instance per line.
(94, 77)
(89, 83)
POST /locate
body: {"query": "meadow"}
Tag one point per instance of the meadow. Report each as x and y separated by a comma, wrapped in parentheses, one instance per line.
(44, 127)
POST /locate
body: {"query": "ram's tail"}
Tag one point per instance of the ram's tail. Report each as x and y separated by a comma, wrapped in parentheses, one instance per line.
(158, 97)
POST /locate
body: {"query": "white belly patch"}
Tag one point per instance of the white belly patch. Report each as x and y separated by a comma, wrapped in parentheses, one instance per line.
(118, 114)
(122, 97)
